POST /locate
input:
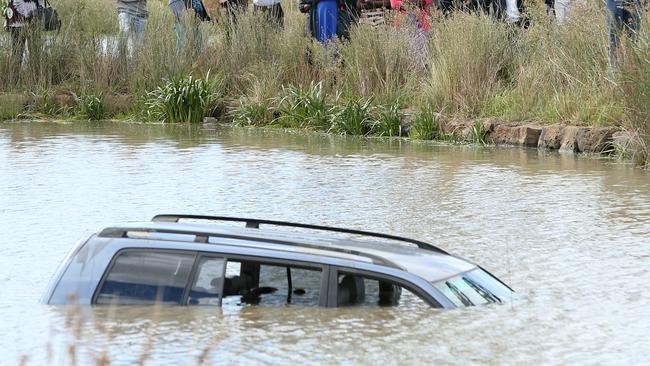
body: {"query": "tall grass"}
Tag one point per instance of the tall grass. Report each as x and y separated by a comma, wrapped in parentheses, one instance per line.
(475, 67)
(636, 89)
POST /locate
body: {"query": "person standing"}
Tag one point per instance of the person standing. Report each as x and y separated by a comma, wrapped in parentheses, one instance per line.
(272, 9)
(132, 19)
(179, 9)
(18, 15)
(623, 16)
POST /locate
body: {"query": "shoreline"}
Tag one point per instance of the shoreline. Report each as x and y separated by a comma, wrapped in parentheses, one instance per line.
(564, 138)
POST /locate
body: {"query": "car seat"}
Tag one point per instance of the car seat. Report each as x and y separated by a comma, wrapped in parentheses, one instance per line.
(350, 291)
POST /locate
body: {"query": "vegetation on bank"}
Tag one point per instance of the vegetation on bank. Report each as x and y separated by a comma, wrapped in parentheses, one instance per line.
(475, 68)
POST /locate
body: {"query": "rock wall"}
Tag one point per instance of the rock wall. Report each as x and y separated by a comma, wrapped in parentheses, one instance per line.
(567, 139)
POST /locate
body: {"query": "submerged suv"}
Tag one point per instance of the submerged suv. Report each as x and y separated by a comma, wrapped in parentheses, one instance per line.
(167, 261)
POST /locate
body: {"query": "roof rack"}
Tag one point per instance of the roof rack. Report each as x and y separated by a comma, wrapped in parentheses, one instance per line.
(255, 224)
(201, 237)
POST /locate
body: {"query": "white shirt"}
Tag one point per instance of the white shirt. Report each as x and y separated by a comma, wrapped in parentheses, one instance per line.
(265, 2)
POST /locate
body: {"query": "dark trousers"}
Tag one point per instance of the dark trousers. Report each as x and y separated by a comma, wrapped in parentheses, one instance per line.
(18, 41)
(273, 13)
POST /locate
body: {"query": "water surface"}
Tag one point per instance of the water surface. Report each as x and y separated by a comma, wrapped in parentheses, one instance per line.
(572, 234)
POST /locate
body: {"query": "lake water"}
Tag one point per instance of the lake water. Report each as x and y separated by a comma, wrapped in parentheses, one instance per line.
(571, 234)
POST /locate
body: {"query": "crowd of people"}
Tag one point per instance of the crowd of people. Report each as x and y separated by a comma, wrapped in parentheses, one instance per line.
(330, 19)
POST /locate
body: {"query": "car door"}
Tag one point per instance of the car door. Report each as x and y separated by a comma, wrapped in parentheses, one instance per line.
(356, 287)
(235, 281)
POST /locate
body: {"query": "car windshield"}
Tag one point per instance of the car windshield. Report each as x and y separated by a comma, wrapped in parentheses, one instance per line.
(476, 287)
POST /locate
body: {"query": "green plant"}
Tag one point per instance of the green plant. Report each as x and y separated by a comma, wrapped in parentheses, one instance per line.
(389, 120)
(44, 102)
(184, 99)
(304, 107)
(251, 113)
(636, 89)
(426, 125)
(477, 134)
(90, 106)
(353, 117)
(11, 105)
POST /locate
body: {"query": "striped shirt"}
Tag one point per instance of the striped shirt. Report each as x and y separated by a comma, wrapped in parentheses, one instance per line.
(136, 8)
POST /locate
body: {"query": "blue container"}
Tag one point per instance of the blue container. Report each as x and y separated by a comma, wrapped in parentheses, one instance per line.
(326, 14)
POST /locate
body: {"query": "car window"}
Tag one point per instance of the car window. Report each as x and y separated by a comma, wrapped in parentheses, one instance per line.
(208, 283)
(254, 283)
(474, 288)
(359, 290)
(146, 277)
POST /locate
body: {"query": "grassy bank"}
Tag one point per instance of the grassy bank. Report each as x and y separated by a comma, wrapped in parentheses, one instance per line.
(475, 68)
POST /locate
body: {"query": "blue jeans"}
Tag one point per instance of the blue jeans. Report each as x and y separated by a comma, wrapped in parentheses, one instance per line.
(179, 10)
(621, 19)
(132, 26)
(180, 29)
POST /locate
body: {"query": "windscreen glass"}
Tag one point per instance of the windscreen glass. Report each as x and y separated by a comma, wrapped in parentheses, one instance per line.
(474, 288)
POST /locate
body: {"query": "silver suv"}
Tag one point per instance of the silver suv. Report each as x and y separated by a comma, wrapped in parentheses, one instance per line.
(167, 261)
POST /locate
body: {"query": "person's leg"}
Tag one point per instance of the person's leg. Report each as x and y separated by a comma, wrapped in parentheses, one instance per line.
(278, 15)
(178, 9)
(614, 26)
(139, 28)
(512, 11)
(198, 37)
(561, 10)
(632, 20)
(18, 40)
(126, 27)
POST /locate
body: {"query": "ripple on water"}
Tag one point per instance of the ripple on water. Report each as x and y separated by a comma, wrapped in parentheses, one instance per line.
(571, 234)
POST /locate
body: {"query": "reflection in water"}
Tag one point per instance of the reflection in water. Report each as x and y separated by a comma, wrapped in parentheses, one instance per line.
(570, 233)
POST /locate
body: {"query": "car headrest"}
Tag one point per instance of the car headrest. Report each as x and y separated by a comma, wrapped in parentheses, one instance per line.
(351, 290)
(389, 294)
(231, 285)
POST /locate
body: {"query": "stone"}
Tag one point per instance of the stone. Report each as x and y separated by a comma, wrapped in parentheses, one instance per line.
(595, 140)
(210, 120)
(117, 103)
(569, 142)
(529, 135)
(64, 100)
(551, 137)
(505, 135)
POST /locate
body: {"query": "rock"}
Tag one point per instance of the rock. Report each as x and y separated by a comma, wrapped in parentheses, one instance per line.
(489, 125)
(551, 137)
(569, 142)
(117, 103)
(405, 122)
(529, 135)
(64, 100)
(587, 139)
(624, 139)
(596, 140)
(505, 135)
(210, 120)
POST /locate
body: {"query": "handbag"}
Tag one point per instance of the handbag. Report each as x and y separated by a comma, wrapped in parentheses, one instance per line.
(48, 17)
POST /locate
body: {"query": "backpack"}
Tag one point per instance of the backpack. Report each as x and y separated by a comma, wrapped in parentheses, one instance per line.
(47, 16)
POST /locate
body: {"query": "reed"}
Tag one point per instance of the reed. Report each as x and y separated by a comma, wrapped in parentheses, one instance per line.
(475, 67)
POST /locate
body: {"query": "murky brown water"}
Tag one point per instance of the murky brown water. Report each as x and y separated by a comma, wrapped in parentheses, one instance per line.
(572, 234)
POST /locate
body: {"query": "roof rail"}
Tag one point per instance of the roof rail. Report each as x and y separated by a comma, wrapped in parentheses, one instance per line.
(201, 237)
(255, 224)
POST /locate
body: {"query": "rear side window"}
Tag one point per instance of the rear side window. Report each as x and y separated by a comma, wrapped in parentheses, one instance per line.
(146, 277)
(255, 283)
(359, 290)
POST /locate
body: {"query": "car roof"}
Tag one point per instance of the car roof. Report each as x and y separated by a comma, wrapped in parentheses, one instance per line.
(428, 262)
